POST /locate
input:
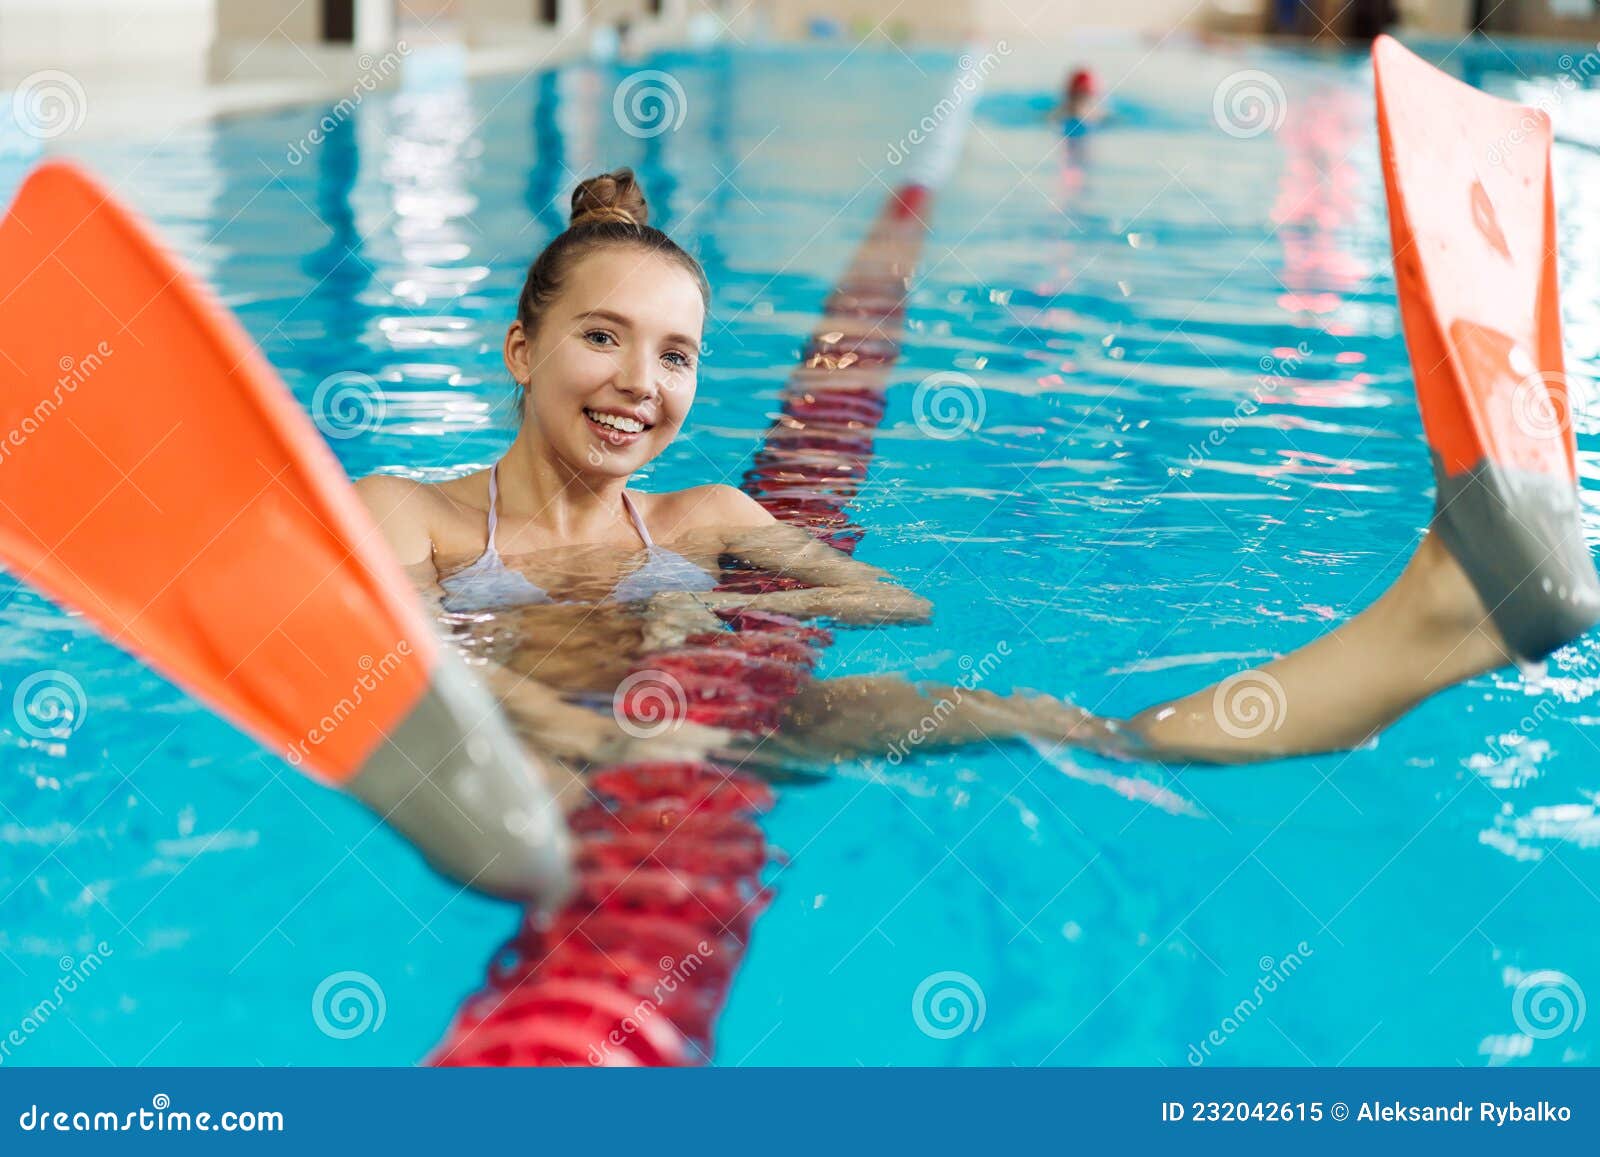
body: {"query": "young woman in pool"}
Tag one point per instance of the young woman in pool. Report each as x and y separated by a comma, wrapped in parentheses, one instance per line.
(572, 564)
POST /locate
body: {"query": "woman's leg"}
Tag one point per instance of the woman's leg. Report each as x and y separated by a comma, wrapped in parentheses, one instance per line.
(889, 716)
(1428, 631)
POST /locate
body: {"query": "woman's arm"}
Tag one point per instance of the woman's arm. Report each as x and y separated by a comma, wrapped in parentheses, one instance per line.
(839, 587)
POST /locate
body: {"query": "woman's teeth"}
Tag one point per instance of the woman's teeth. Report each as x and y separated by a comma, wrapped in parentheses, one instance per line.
(615, 422)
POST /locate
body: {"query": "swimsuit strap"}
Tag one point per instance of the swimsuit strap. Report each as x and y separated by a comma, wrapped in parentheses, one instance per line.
(638, 523)
(489, 551)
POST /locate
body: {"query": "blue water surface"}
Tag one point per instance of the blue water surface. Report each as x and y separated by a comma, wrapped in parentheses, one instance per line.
(1115, 299)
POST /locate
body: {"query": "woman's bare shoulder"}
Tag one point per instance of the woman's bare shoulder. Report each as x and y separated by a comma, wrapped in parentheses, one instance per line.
(414, 516)
(393, 495)
(699, 509)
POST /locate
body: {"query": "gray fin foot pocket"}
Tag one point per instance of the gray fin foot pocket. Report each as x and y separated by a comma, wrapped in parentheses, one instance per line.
(1519, 537)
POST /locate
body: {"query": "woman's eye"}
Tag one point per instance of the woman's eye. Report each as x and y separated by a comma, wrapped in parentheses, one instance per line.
(674, 358)
(599, 337)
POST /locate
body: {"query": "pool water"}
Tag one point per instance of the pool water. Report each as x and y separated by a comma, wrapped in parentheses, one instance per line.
(1193, 446)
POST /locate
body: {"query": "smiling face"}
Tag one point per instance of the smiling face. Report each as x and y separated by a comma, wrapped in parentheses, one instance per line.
(610, 367)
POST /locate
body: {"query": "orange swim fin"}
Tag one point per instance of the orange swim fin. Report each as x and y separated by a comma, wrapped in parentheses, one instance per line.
(1472, 220)
(157, 476)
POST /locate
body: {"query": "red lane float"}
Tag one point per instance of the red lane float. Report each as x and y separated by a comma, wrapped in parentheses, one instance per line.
(636, 969)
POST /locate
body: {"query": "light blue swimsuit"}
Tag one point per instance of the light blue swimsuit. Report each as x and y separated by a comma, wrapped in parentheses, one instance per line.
(490, 585)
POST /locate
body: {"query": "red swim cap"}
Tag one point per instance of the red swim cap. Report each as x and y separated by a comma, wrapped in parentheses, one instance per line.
(1082, 83)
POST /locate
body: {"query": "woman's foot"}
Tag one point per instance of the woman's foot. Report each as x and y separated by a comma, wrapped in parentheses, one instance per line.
(1477, 288)
(1442, 614)
(1427, 632)
(1032, 715)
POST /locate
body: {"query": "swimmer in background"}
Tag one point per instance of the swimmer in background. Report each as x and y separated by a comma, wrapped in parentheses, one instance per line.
(1082, 107)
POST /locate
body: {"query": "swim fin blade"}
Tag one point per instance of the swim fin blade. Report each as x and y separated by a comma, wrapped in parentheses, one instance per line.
(156, 475)
(1472, 221)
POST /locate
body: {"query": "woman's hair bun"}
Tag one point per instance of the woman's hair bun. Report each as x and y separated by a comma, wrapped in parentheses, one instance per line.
(614, 196)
